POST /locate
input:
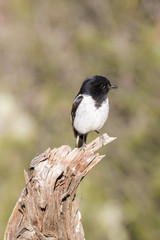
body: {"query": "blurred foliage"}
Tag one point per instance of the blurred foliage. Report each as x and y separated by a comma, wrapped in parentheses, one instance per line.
(47, 49)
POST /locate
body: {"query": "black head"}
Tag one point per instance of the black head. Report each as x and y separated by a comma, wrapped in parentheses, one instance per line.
(96, 86)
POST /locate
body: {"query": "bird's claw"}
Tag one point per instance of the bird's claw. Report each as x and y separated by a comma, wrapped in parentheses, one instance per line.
(84, 147)
(101, 137)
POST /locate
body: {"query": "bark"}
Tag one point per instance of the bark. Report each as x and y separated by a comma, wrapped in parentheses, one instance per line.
(47, 208)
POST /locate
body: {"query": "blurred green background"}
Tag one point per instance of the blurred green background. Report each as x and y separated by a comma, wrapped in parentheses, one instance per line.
(47, 48)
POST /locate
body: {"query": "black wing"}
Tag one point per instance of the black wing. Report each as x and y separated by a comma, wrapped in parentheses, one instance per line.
(76, 103)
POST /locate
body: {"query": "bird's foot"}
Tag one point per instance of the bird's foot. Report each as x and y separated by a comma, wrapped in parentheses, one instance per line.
(84, 147)
(101, 137)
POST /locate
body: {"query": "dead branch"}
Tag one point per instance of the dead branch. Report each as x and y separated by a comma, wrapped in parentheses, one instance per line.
(47, 208)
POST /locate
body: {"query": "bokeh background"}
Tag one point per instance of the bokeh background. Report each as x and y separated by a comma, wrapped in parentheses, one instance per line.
(47, 48)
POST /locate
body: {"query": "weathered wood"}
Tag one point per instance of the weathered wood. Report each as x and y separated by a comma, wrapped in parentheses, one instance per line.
(47, 208)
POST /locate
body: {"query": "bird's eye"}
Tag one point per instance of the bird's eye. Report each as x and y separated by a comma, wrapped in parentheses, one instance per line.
(103, 86)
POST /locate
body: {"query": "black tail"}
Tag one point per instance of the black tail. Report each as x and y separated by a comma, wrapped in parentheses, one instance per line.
(80, 140)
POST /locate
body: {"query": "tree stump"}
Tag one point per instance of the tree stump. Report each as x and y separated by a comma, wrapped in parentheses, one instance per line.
(47, 208)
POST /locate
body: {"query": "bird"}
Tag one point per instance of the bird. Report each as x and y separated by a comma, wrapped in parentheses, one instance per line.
(90, 107)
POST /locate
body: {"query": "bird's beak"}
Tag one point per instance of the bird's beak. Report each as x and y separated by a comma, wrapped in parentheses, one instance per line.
(114, 86)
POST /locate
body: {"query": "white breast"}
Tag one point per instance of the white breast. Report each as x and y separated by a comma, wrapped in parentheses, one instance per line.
(89, 117)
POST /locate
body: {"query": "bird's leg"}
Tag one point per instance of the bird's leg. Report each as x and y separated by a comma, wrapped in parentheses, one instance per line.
(97, 132)
(84, 142)
(101, 137)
